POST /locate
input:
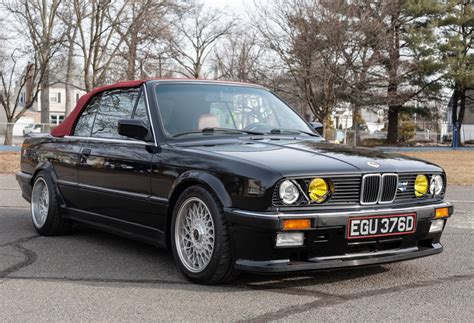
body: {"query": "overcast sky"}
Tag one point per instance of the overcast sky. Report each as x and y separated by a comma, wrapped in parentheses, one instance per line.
(235, 5)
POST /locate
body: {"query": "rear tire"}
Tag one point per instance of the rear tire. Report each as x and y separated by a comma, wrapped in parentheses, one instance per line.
(199, 238)
(45, 212)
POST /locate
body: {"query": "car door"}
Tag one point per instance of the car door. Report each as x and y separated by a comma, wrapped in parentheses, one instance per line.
(114, 171)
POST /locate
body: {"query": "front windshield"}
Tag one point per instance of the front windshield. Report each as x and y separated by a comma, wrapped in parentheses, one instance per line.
(194, 109)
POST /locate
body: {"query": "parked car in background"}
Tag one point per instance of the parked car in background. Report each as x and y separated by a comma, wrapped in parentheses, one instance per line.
(31, 127)
(231, 179)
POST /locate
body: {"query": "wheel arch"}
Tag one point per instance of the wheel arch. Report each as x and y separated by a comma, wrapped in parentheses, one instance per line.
(192, 178)
(48, 168)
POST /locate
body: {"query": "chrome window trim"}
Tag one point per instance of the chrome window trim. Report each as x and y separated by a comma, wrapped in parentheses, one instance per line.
(133, 142)
(123, 141)
(149, 114)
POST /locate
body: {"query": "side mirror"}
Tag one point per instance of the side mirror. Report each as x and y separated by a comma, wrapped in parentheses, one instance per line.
(318, 126)
(133, 128)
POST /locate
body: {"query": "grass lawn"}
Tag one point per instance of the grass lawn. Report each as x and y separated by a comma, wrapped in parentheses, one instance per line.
(9, 162)
(459, 164)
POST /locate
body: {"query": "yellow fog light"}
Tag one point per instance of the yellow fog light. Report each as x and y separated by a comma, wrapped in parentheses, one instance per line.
(421, 185)
(441, 213)
(319, 190)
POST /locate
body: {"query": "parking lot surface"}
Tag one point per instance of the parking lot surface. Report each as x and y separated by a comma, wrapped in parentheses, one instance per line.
(91, 275)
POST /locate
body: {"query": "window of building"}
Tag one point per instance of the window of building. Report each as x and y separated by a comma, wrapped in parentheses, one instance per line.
(55, 97)
(56, 119)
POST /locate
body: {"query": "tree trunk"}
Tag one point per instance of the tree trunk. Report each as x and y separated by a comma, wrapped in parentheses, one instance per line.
(69, 98)
(69, 72)
(45, 100)
(9, 133)
(462, 109)
(455, 115)
(393, 81)
(355, 125)
(132, 56)
(392, 129)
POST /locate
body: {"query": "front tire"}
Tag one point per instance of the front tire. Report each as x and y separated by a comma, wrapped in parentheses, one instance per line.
(199, 238)
(45, 214)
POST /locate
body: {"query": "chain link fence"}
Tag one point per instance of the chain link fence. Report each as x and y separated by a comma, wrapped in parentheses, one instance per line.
(415, 134)
(21, 130)
(419, 134)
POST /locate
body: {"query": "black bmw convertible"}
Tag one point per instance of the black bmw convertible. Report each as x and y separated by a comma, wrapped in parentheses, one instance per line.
(229, 178)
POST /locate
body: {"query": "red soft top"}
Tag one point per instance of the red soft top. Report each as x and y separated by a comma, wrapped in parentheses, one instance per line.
(66, 127)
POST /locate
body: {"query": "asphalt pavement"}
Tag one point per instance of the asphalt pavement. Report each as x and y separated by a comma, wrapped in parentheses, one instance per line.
(94, 276)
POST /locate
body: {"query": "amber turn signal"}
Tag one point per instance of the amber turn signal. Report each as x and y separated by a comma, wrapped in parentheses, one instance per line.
(441, 213)
(296, 224)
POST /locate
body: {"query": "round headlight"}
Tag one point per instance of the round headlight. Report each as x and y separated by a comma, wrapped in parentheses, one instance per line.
(436, 185)
(421, 185)
(318, 190)
(289, 193)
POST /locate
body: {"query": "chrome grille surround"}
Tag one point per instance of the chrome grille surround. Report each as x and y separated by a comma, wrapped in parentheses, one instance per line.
(378, 188)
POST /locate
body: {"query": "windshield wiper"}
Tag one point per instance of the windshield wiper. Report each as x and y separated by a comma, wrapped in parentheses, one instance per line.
(218, 130)
(278, 131)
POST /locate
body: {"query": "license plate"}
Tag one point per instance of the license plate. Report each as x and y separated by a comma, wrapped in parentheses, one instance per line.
(381, 225)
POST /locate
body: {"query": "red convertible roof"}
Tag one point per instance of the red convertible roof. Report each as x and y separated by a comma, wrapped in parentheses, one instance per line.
(66, 127)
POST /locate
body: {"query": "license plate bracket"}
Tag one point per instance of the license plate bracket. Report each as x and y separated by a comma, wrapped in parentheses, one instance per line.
(373, 226)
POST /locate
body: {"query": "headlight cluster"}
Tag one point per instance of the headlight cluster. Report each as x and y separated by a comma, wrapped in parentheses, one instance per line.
(289, 193)
(318, 191)
(423, 185)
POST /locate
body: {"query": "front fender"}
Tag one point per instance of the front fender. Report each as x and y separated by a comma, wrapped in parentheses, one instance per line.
(194, 176)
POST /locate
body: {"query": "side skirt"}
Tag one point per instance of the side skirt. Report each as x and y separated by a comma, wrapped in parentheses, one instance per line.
(116, 226)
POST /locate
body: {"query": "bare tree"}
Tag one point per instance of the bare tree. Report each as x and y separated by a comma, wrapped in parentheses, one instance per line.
(20, 86)
(98, 40)
(308, 37)
(196, 31)
(38, 19)
(67, 17)
(239, 58)
(144, 30)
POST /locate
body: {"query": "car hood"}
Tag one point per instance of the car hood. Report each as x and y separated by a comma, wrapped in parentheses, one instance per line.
(293, 157)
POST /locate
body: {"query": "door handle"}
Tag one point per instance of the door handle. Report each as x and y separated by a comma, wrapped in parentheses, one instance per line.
(85, 153)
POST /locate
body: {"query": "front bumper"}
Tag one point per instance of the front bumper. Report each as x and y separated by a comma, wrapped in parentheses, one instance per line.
(24, 180)
(326, 245)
